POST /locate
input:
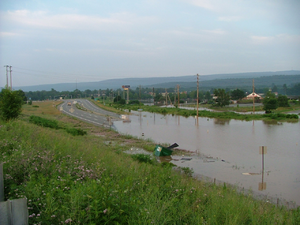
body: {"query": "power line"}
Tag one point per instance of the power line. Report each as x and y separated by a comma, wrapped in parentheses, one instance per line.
(10, 77)
(52, 72)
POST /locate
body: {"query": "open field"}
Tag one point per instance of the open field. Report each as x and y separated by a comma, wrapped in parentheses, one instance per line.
(89, 180)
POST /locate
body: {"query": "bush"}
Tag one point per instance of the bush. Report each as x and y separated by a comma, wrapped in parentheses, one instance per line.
(76, 132)
(43, 122)
(270, 102)
(292, 116)
(283, 101)
(10, 104)
(53, 124)
(142, 158)
(134, 102)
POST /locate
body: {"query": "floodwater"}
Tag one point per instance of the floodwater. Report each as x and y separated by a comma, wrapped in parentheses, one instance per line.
(229, 150)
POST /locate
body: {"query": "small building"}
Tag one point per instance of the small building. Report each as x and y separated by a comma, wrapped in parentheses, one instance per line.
(253, 95)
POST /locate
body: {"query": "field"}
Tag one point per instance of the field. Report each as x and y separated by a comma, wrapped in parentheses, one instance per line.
(90, 180)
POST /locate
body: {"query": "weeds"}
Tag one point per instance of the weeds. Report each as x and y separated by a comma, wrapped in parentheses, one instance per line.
(44, 122)
(54, 124)
(76, 131)
(80, 180)
(143, 158)
(187, 171)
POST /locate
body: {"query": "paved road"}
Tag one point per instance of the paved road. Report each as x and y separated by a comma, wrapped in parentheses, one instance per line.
(93, 114)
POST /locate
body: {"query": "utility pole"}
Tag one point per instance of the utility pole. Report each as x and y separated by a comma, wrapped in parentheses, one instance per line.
(178, 94)
(253, 97)
(153, 96)
(10, 77)
(175, 96)
(166, 93)
(197, 97)
(140, 93)
(127, 95)
(6, 75)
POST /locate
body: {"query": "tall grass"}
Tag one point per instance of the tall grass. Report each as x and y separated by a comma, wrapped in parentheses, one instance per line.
(78, 180)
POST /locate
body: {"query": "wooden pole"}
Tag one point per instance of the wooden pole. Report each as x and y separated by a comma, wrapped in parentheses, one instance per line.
(178, 94)
(197, 98)
(253, 98)
(166, 93)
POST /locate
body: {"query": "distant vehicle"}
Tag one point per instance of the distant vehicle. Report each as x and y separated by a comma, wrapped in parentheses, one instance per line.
(69, 104)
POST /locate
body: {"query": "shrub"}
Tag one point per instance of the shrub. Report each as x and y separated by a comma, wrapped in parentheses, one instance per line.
(283, 101)
(187, 171)
(76, 132)
(10, 104)
(134, 102)
(142, 158)
(43, 122)
(292, 116)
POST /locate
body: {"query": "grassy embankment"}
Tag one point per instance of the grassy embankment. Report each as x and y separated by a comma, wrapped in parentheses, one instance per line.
(210, 114)
(85, 180)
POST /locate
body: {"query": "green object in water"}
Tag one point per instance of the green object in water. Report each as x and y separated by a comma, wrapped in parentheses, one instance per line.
(162, 151)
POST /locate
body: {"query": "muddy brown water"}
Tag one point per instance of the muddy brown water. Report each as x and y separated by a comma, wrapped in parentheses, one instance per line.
(228, 150)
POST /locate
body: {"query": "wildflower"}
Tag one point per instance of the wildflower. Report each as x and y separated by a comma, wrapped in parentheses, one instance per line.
(68, 221)
(105, 211)
(52, 216)
(38, 215)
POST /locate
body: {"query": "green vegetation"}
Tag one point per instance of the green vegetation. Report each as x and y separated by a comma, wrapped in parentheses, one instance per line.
(206, 113)
(44, 122)
(10, 104)
(76, 131)
(285, 85)
(270, 102)
(143, 158)
(82, 180)
(237, 94)
(78, 106)
(54, 125)
(283, 101)
(223, 98)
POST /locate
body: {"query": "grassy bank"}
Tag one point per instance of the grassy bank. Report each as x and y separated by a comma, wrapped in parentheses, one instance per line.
(86, 180)
(210, 114)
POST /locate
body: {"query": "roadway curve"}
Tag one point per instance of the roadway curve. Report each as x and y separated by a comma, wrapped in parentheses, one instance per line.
(92, 113)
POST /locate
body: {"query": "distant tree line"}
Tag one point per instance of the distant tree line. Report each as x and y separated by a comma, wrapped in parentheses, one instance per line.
(158, 93)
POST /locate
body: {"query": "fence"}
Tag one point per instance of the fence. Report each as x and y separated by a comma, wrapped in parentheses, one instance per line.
(256, 195)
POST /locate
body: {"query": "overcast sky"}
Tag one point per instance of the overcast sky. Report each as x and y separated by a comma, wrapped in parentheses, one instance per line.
(64, 41)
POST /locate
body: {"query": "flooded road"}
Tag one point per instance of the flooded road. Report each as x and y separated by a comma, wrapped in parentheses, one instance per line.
(228, 150)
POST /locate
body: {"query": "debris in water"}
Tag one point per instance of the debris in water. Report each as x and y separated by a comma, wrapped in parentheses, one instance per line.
(251, 173)
(186, 159)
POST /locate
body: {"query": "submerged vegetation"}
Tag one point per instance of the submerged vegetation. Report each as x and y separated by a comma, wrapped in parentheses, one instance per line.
(85, 180)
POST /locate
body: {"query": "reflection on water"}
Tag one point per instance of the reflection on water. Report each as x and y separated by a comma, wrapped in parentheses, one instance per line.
(234, 147)
(221, 121)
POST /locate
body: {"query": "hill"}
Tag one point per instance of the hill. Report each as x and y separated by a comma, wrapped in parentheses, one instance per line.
(215, 80)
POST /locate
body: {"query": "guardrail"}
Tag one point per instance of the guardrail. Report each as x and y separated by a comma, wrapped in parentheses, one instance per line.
(12, 212)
